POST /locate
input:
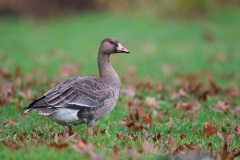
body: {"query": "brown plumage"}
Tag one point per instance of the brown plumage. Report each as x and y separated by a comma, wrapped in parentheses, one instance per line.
(83, 99)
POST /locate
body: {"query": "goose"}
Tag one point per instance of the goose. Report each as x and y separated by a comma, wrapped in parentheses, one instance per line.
(83, 99)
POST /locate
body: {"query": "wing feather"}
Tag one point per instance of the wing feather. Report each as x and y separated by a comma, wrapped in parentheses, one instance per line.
(77, 91)
(82, 91)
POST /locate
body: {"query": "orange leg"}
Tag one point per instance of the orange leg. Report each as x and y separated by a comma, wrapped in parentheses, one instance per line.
(89, 132)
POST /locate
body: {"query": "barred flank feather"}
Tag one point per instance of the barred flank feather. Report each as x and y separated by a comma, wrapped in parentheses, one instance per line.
(45, 111)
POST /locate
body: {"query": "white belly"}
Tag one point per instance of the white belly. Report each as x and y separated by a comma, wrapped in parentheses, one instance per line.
(66, 117)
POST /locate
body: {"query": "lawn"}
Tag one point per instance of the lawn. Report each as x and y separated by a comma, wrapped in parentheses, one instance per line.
(180, 85)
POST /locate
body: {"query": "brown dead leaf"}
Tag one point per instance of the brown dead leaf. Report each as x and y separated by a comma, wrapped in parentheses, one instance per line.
(148, 119)
(56, 136)
(222, 106)
(129, 92)
(221, 57)
(220, 136)
(131, 124)
(26, 94)
(105, 132)
(177, 149)
(166, 68)
(230, 137)
(5, 74)
(132, 152)
(22, 137)
(169, 140)
(196, 148)
(57, 146)
(148, 148)
(83, 148)
(233, 92)
(135, 105)
(209, 36)
(70, 138)
(68, 70)
(237, 129)
(157, 137)
(151, 102)
(236, 110)
(13, 146)
(160, 117)
(6, 89)
(184, 106)
(95, 132)
(10, 122)
(182, 136)
(147, 86)
(175, 95)
(130, 75)
(209, 129)
(213, 88)
(115, 154)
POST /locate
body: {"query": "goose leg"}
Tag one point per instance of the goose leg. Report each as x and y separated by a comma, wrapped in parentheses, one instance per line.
(90, 125)
(70, 131)
(89, 132)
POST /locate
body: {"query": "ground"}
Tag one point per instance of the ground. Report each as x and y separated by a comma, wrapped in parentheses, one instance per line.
(180, 86)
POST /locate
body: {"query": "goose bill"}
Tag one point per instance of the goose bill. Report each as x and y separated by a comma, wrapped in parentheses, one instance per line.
(121, 49)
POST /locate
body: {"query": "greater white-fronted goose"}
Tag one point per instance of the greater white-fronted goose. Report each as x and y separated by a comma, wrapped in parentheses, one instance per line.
(83, 99)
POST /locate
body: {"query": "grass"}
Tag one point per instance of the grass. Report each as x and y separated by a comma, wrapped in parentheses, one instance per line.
(162, 51)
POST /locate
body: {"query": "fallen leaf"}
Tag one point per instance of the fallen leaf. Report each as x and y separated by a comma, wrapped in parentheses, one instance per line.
(13, 146)
(177, 149)
(169, 140)
(129, 92)
(6, 89)
(70, 138)
(115, 154)
(10, 122)
(68, 70)
(130, 75)
(151, 102)
(220, 136)
(157, 137)
(174, 95)
(196, 149)
(147, 119)
(132, 152)
(166, 69)
(213, 88)
(230, 137)
(233, 92)
(5, 74)
(209, 36)
(221, 57)
(160, 117)
(22, 137)
(148, 148)
(237, 129)
(184, 106)
(183, 136)
(57, 146)
(222, 106)
(83, 148)
(209, 129)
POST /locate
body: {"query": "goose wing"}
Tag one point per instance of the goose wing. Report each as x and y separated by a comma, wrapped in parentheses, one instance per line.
(76, 92)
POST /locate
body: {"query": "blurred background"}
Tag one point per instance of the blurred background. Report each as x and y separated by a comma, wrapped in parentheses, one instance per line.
(54, 8)
(167, 38)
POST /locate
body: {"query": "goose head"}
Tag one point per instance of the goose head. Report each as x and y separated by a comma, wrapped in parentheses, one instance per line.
(112, 46)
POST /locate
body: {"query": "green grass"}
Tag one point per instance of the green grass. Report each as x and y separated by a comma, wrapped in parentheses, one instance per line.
(162, 52)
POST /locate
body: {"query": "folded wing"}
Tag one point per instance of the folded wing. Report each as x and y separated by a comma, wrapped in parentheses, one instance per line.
(78, 92)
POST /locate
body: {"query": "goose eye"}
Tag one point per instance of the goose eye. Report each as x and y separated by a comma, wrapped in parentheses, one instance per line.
(111, 42)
